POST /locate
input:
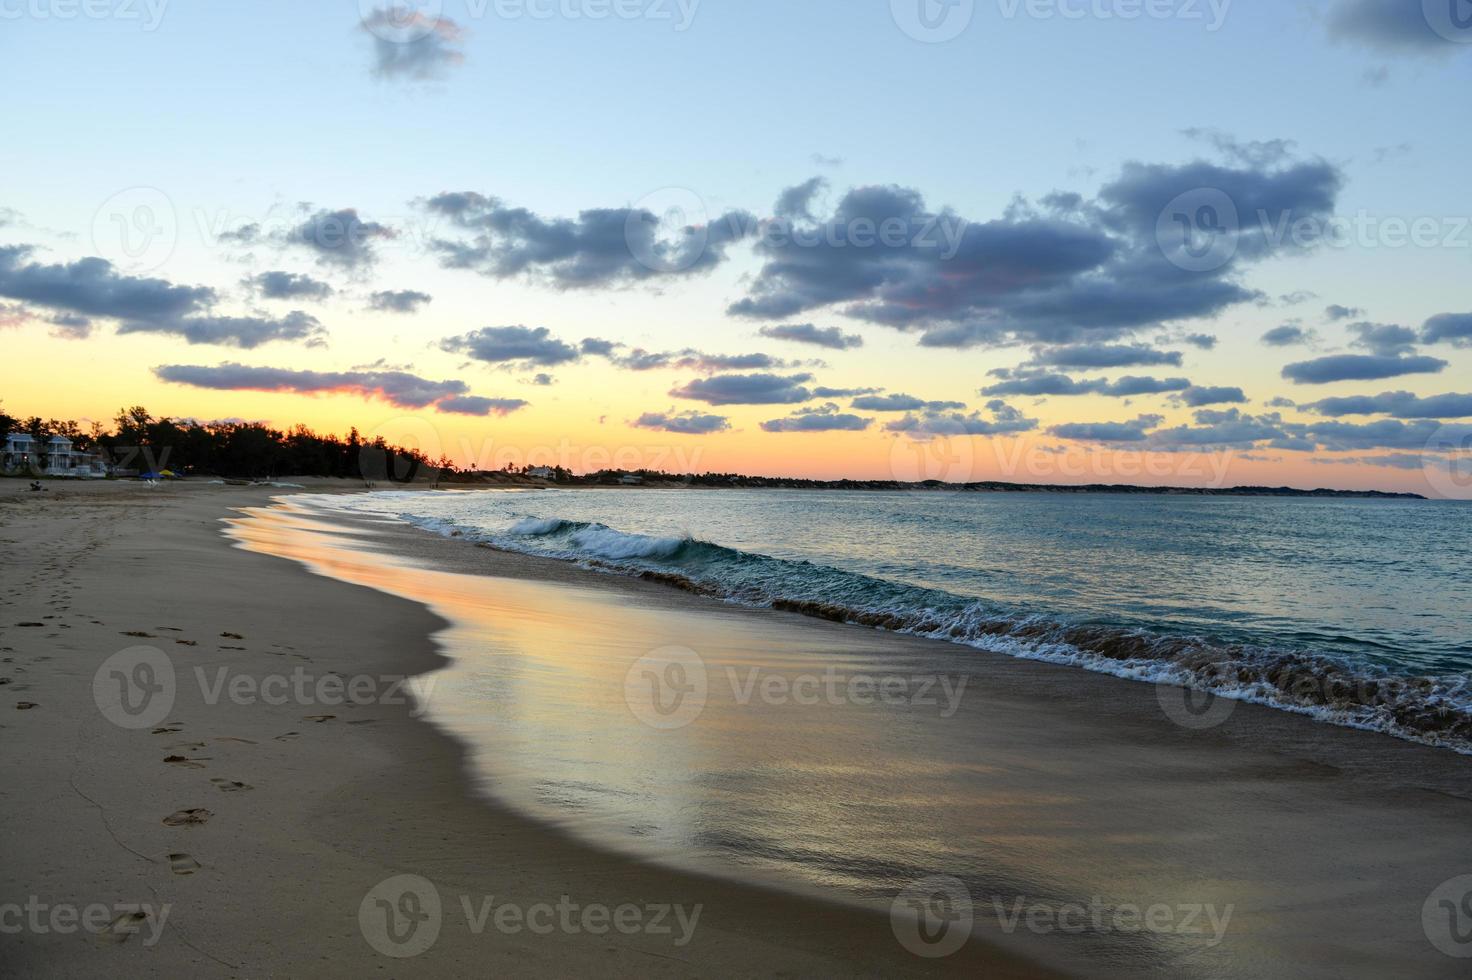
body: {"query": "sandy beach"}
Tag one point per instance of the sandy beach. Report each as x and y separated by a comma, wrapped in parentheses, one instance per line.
(234, 836)
(308, 808)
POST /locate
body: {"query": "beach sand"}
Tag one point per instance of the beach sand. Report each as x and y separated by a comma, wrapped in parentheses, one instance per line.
(1325, 843)
(306, 813)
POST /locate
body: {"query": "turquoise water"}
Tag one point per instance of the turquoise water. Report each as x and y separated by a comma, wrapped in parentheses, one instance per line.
(1358, 612)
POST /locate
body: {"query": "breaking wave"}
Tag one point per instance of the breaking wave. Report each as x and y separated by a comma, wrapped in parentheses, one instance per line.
(1434, 710)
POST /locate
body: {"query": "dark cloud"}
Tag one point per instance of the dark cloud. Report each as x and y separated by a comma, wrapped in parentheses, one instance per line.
(1204, 341)
(1398, 404)
(398, 300)
(1397, 26)
(807, 333)
(70, 326)
(340, 238)
(1004, 420)
(1099, 275)
(92, 287)
(902, 403)
(1287, 335)
(1042, 384)
(475, 405)
(1359, 367)
(1383, 434)
(1385, 339)
(1133, 431)
(1091, 356)
(826, 418)
(797, 202)
(1450, 328)
(1334, 312)
(518, 344)
(822, 392)
(246, 332)
(395, 387)
(410, 45)
(747, 389)
(682, 423)
(287, 285)
(602, 247)
(1197, 397)
(1231, 428)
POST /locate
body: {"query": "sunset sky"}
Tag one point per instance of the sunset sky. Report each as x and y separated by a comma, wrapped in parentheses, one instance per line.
(1169, 242)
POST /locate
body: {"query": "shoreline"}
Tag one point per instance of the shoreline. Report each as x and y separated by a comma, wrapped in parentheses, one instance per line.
(1281, 806)
(307, 813)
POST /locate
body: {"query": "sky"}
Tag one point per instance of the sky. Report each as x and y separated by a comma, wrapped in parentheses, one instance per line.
(1163, 242)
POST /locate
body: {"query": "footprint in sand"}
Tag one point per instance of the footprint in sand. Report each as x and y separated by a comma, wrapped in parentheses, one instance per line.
(187, 643)
(319, 719)
(185, 761)
(288, 736)
(169, 729)
(183, 864)
(232, 648)
(171, 629)
(30, 624)
(232, 738)
(187, 818)
(119, 929)
(25, 705)
(231, 786)
(231, 636)
(136, 633)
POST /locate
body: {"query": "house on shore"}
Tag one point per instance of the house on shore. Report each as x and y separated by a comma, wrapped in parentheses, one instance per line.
(21, 453)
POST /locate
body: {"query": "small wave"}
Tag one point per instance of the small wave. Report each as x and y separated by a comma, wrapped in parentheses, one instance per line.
(1432, 710)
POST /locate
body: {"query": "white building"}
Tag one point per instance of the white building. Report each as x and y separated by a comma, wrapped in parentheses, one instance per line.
(23, 454)
(631, 480)
(542, 473)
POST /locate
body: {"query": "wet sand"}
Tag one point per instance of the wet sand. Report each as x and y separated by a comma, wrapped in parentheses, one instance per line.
(249, 830)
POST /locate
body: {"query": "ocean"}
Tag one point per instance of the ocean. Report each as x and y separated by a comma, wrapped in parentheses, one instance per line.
(1355, 611)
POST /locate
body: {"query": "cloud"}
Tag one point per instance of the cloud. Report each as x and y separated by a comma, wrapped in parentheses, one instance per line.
(1004, 420)
(682, 423)
(600, 248)
(1287, 335)
(1359, 367)
(501, 345)
(1204, 341)
(1451, 328)
(70, 326)
(245, 332)
(398, 301)
(797, 202)
(1091, 356)
(1334, 312)
(1091, 272)
(1133, 431)
(826, 418)
(1395, 26)
(92, 287)
(287, 285)
(824, 392)
(1230, 428)
(747, 389)
(1129, 386)
(474, 405)
(807, 333)
(1398, 404)
(902, 403)
(398, 388)
(410, 45)
(1385, 339)
(1197, 397)
(340, 238)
